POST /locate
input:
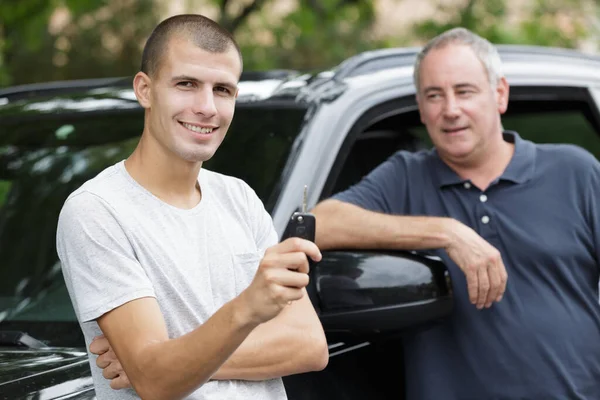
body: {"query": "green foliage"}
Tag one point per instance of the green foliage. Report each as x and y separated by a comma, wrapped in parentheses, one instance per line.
(98, 38)
(105, 37)
(317, 34)
(560, 23)
(4, 189)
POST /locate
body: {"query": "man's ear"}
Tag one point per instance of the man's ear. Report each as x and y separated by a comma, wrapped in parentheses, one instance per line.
(142, 89)
(502, 92)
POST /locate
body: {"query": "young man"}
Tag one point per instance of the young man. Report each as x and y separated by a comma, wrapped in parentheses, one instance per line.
(495, 207)
(177, 266)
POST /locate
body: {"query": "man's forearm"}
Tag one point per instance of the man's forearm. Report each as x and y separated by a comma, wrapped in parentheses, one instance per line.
(288, 344)
(343, 225)
(171, 369)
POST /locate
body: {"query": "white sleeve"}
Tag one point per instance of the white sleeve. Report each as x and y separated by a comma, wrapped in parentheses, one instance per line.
(98, 262)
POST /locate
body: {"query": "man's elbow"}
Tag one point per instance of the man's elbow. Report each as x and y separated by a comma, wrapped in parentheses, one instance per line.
(321, 358)
(151, 381)
(154, 389)
(319, 354)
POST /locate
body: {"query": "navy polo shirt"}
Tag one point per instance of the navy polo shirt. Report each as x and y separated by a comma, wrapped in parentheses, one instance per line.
(542, 341)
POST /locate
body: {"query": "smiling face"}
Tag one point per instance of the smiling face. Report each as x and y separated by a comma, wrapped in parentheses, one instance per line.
(189, 101)
(459, 107)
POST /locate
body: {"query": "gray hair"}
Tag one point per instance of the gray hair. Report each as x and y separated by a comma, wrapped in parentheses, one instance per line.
(483, 49)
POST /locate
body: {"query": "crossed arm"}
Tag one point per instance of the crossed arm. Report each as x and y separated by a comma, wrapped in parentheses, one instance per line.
(242, 340)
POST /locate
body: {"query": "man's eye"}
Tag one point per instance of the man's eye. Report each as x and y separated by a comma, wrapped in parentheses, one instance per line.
(222, 89)
(185, 84)
(433, 96)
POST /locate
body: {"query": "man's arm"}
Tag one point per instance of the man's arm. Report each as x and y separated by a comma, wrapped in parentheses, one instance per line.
(291, 343)
(163, 368)
(160, 368)
(344, 225)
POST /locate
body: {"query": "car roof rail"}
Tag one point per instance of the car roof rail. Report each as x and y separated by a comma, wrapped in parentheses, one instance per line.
(545, 51)
(377, 60)
(53, 88)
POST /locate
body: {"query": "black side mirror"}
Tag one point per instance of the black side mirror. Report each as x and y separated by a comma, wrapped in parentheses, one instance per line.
(366, 292)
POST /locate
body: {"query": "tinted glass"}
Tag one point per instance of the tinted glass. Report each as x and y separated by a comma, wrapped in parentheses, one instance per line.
(539, 121)
(44, 159)
(547, 122)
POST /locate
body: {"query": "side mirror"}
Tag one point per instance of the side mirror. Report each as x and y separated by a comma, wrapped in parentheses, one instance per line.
(366, 292)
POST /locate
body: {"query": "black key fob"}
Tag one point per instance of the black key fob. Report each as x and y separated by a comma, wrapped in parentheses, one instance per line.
(302, 225)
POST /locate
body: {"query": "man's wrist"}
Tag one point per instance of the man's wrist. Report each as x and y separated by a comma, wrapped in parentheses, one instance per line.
(242, 316)
(449, 228)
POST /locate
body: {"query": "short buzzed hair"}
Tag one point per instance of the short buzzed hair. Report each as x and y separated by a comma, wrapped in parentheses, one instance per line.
(200, 30)
(483, 49)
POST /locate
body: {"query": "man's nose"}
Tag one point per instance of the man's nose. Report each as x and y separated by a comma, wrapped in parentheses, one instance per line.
(451, 109)
(204, 102)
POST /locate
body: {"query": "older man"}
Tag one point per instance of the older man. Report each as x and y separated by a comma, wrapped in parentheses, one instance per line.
(497, 209)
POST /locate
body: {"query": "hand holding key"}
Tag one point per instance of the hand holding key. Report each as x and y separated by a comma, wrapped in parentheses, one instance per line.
(282, 274)
(280, 279)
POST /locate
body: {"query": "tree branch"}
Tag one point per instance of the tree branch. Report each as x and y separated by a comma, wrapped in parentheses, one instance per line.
(238, 20)
(224, 4)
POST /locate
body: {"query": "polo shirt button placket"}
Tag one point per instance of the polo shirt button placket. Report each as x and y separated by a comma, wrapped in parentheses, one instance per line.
(486, 229)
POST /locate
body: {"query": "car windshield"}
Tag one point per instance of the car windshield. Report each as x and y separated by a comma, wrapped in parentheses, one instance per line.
(42, 160)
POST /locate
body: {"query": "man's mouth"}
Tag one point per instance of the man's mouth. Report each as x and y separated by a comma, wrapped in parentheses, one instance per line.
(454, 130)
(198, 128)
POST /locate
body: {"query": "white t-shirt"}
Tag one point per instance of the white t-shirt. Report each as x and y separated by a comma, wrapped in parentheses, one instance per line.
(117, 242)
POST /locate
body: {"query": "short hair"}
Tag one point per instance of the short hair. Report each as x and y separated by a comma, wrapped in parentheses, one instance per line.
(200, 30)
(483, 49)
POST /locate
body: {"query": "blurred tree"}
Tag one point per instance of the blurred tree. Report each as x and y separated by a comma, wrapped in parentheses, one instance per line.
(314, 34)
(42, 40)
(562, 23)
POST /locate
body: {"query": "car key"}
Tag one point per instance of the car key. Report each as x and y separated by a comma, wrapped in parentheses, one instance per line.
(301, 224)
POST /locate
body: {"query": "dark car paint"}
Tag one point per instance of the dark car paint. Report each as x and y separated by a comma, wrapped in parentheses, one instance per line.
(44, 374)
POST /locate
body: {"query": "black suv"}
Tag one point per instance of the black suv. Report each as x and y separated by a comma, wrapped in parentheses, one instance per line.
(325, 131)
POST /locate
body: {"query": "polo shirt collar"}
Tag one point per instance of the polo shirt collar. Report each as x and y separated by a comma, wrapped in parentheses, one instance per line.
(519, 170)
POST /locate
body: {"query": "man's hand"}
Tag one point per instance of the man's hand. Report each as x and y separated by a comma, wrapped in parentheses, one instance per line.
(280, 279)
(481, 263)
(108, 362)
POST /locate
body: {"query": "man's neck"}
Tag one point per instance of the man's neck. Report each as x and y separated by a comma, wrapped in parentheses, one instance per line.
(171, 179)
(488, 166)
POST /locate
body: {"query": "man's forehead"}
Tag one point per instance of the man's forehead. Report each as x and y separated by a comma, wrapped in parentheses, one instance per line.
(455, 62)
(187, 59)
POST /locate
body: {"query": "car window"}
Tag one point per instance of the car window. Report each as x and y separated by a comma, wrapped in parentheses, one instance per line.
(542, 115)
(43, 160)
(541, 122)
